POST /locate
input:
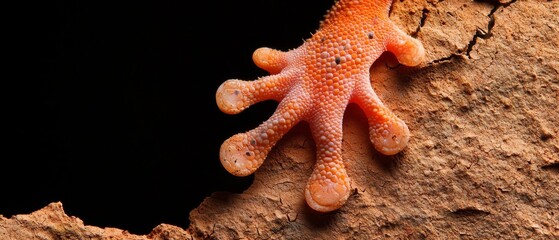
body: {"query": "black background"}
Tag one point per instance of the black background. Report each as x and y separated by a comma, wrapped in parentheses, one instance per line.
(111, 105)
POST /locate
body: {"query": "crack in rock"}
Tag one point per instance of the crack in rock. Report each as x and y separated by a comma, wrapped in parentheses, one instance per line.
(469, 212)
(424, 13)
(551, 167)
(480, 33)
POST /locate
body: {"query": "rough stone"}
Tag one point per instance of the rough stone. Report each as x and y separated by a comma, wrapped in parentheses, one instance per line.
(481, 164)
(51, 222)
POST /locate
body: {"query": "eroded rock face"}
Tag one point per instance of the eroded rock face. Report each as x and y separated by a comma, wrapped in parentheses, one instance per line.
(482, 162)
(51, 222)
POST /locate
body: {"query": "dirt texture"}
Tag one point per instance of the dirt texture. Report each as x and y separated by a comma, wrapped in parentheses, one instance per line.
(483, 159)
(482, 162)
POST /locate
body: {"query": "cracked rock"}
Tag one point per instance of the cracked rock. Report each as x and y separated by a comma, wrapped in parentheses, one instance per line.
(477, 166)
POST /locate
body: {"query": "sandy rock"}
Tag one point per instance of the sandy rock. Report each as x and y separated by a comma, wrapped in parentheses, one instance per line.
(52, 223)
(483, 159)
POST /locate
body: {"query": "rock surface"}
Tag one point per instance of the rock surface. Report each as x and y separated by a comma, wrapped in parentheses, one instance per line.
(482, 163)
(52, 223)
(483, 160)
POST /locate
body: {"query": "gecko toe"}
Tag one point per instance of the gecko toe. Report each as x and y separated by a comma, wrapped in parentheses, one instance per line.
(326, 196)
(230, 98)
(390, 138)
(238, 157)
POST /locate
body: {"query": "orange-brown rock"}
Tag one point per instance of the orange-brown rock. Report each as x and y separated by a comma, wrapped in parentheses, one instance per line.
(51, 222)
(483, 159)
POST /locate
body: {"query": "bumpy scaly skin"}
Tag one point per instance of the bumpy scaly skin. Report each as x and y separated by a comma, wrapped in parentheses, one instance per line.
(315, 83)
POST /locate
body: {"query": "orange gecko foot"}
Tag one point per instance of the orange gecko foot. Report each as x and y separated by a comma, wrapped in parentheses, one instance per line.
(315, 83)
